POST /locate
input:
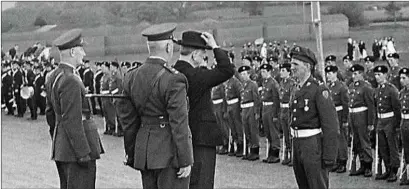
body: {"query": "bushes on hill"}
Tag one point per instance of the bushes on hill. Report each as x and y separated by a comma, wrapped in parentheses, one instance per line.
(353, 10)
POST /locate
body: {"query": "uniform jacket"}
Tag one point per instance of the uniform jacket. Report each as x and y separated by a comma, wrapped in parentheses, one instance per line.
(202, 121)
(39, 82)
(387, 100)
(218, 93)
(97, 81)
(105, 83)
(30, 76)
(370, 77)
(361, 94)
(339, 92)
(312, 107)
(157, 136)
(393, 77)
(270, 93)
(7, 85)
(89, 79)
(115, 83)
(347, 75)
(404, 99)
(250, 94)
(233, 88)
(18, 80)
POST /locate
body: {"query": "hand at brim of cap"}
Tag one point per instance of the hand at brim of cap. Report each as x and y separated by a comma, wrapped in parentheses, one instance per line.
(209, 39)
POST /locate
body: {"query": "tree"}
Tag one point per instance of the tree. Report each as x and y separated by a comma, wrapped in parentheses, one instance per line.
(392, 9)
(40, 21)
(353, 10)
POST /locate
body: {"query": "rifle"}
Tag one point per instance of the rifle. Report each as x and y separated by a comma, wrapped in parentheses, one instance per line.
(352, 157)
(403, 166)
(378, 160)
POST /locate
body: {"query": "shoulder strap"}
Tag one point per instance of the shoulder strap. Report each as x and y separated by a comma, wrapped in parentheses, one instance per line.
(152, 85)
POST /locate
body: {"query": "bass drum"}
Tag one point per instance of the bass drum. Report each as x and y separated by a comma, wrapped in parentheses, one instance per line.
(27, 92)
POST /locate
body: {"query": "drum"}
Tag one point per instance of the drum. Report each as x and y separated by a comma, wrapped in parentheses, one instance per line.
(27, 92)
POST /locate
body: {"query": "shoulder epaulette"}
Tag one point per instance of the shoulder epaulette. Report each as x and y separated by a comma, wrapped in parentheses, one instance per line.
(170, 69)
(134, 68)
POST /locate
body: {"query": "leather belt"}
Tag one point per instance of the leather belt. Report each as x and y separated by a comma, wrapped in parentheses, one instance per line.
(247, 105)
(385, 115)
(232, 101)
(356, 110)
(285, 105)
(339, 108)
(304, 132)
(405, 116)
(268, 103)
(218, 101)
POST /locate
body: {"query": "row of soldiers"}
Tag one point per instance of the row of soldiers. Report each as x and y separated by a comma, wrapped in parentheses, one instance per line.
(372, 113)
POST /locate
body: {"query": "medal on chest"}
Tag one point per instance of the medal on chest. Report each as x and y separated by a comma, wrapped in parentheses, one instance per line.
(306, 108)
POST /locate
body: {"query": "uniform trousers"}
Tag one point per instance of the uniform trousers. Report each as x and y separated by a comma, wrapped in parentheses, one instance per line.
(202, 176)
(40, 102)
(21, 104)
(9, 105)
(342, 154)
(74, 176)
(235, 123)
(361, 142)
(405, 138)
(31, 103)
(284, 120)
(388, 144)
(309, 170)
(109, 114)
(163, 178)
(271, 128)
(250, 127)
(219, 113)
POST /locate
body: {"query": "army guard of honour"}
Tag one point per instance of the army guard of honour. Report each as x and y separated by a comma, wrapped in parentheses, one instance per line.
(175, 117)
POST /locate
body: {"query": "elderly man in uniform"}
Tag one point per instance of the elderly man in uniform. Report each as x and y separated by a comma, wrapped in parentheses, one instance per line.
(314, 124)
(393, 77)
(404, 127)
(362, 117)
(157, 138)
(271, 108)
(388, 113)
(68, 111)
(205, 131)
(339, 93)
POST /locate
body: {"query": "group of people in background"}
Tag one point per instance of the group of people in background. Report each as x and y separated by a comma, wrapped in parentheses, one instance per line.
(380, 49)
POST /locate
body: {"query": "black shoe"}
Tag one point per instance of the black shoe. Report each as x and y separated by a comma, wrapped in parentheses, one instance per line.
(286, 161)
(368, 170)
(19, 115)
(360, 171)
(392, 176)
(383, 176)
(273, 159)
(404, 182)
(239, 152)
(254, 154)
(342, 169)
(118, 134)
(223, 150)
(108, 132)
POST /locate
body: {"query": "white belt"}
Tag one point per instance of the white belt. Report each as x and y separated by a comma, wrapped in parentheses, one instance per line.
(304, 132)
(356, 110)
(386, 115)
(339, 108)
(247, 105)
(115, 91)
(232, 101)
(286, 105)
(405, 116)
(268, 103)
(218, 101)
(105, 92)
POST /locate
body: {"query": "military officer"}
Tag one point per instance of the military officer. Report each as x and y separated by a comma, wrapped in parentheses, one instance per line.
(115, 87)
(314, 124)
(388, 113)
(369, 75)
(7, 88)
(108, 107)
(97, 87)
(250, 105)
(404, 99)
(339, 93)
(220, 109)
(271, 105)
(157, 138)
(233, 89)
(275, 72)
(286, 86)
(362, 116)
(393, 77)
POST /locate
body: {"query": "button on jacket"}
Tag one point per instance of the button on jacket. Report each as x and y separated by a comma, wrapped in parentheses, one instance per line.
(387, 100)
(270, 93)
(339, 93)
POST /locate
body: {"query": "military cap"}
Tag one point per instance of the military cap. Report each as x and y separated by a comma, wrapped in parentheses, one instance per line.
(404, 71)
(243, 68)
(285, 65)
(273, 58)
(160, 32)
(249, 44)
(257, 58)
(107, 64)
(247, 58)
(270, 44)
(85, 61)
(370, 59)
(331, 58)
(127, 64)
(70, 39)
(380, 69)
(357, 67)
(331, 69)
(38, 67)
(267, 67)
(98, 63)
(113, 63)
(393, 55)
(303, 54)
(346, 57)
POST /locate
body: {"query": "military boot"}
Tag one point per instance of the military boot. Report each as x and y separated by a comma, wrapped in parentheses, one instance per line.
(404, 178)
(360, 171)
(383, 176)
(239, 152)
(247, 154)
(335, 167)
(254, 154)
(342, 168)
(392, 176)
(268, 156)
(231, 151)
(274, 158)
(368, 170)
(286, 159)
(290, 157)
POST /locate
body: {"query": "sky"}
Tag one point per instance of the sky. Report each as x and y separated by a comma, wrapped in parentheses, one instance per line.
(7, 5)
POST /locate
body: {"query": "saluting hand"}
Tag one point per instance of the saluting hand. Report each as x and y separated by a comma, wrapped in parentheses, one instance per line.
(209, 39)
(184, 172)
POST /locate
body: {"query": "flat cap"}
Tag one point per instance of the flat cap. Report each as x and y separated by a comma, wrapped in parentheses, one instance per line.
(113, 63)
(159, 32)
(303, 54)
(285, 65)
(357, 67)
(369, 59)
(69, 39)
(380, 69)
(247, 58)
(243, 68)
(393, 55)
(331, 69)
(331, 58)
(346, 57)
(267, 67)
(404, 71)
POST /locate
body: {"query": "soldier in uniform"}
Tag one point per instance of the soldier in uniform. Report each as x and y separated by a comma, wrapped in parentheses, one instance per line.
(275, 72)
(29, 78)
(393, 77)
(271, 107)
(18, 81)
(331, 60)
(347, 74)
(115, 87)
(7, 88)
(81, 69)
(404, 127)
(313, 122)
(369, 75)
(286, 86)
(88, 80)
(157, 138)
(220, 110)
(233, 89)
(39, 89)
(250, 105)
(108, 107)
(339, 93)
(97, 87)
(388, 113)
(362, 116)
